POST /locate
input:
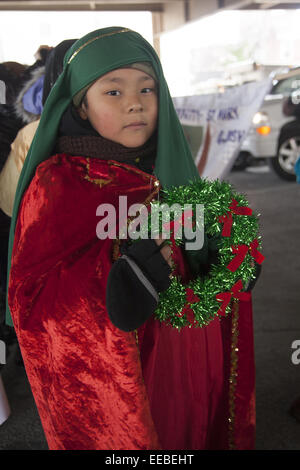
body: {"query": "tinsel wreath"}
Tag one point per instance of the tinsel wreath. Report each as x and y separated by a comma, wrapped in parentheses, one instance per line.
(227, 218)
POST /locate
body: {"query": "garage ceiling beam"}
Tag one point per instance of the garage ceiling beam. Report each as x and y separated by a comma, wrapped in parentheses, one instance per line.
(80, 5)
(174, 13)
(199, 7)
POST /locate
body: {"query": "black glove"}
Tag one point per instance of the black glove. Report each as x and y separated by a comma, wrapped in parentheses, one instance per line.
(200, 261)
(134, 282)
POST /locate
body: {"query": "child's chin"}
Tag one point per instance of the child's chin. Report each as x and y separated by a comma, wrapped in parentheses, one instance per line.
(134, 143)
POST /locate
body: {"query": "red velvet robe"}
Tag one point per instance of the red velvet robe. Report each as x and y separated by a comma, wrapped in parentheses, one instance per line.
(95, 386)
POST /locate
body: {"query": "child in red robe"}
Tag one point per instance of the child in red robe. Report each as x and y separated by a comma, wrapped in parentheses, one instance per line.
(105, 374)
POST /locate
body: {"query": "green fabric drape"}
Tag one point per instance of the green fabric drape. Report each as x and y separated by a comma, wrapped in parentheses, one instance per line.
(89, 58)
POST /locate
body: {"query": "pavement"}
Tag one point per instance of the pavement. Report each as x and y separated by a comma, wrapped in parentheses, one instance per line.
(276, 300)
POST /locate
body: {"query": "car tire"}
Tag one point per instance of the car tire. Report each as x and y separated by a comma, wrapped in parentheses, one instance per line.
(288, 151)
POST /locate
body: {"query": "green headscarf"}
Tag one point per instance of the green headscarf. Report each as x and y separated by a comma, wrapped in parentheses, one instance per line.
(90, 57)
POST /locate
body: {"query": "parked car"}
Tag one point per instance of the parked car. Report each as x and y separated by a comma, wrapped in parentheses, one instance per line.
(274, 135)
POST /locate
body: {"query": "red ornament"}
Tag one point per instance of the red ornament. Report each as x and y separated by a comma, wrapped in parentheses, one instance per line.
(191, 298)
(240, 251)
(235, 292)
(227, 220)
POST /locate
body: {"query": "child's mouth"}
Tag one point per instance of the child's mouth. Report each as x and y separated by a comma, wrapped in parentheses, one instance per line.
(136, 125)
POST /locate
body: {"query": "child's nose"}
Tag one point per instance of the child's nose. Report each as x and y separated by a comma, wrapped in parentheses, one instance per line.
(134, 104)
(136, 107)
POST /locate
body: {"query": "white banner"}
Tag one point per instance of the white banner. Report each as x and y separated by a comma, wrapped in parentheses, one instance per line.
(215, 125)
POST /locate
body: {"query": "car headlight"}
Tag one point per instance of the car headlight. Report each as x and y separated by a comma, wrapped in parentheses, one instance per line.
(261, 122)
(260, 118)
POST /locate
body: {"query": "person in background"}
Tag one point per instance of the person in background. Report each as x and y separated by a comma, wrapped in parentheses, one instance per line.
(291, 107)
(28, 107)
(27, 89)
(295, 407)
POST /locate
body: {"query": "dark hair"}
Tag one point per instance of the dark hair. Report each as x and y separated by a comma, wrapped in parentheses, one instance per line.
(54, 65)
(11, 73)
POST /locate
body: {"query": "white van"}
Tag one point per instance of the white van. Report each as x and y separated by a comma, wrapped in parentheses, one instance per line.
(274, 135)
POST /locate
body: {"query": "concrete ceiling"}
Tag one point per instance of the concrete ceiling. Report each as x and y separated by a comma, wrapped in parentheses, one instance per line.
(167, 14)
(192, 8)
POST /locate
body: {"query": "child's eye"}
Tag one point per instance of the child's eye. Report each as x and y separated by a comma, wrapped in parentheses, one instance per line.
(113, 93)
(147, 90)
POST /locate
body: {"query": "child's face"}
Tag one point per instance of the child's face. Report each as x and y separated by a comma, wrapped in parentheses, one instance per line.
(122, 106)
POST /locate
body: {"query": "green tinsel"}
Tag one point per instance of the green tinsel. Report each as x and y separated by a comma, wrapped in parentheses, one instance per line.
(216, 197)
